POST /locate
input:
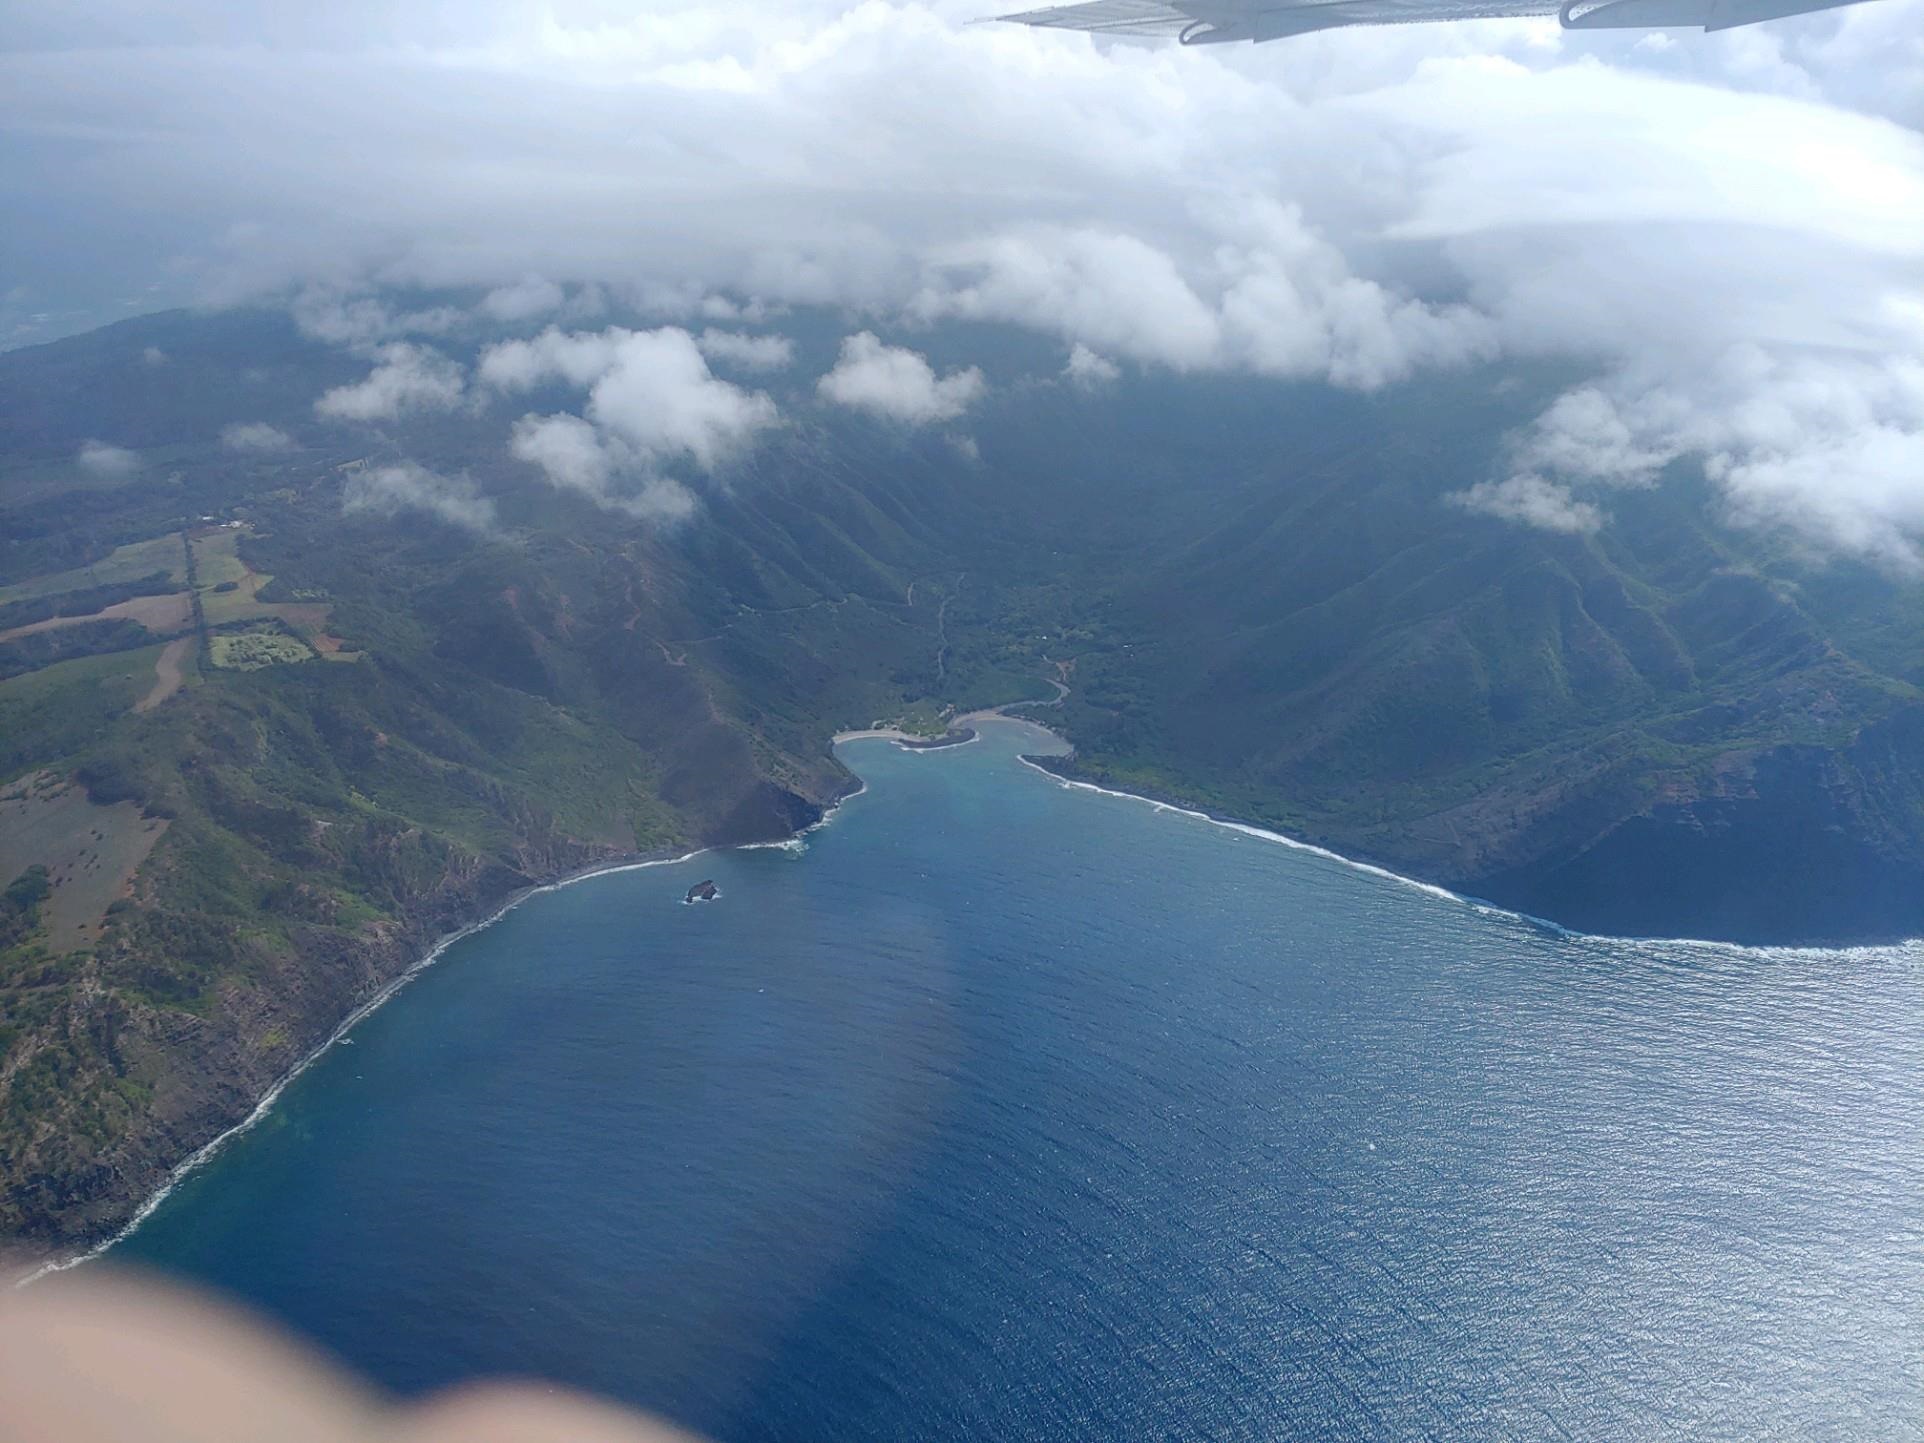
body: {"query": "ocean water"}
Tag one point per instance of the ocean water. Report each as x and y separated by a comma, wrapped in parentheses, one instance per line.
(1007, 1110)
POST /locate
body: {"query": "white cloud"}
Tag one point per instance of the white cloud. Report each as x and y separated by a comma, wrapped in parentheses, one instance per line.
(326, 314)
(569, 451)
(660, 397)
(1585, 439)
(750, 353)
(409, 486)
(1114, 290)
(527, 298)
(1585, 436)
(1088, 370)
(1745, 272)
(1532, 501)
(1830, 446)
(111, 463)
(1272, 297)
(897, 384)
(653, 406)
(154, 356)
(574, 456)
(1860, 490)
(255, 436)
(578, 357)
(1291, 307)
(405, 378)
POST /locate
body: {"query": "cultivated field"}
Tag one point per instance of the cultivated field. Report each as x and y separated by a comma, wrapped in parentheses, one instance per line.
(252, 650)
(61, 709)
(162, 615)
(217, 559)
(126, 563)
(122, 675)
(218, 562)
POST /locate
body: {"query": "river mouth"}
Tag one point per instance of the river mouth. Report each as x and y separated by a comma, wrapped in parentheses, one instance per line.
(1000, 1108)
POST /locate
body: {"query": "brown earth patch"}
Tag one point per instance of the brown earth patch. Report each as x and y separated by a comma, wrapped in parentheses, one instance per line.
(162, 615)
(170, 670)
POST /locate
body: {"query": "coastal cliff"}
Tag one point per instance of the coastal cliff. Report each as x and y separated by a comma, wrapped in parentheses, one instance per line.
(1783, 847)
(119, 1085)
(1778, 845)
(143, 1085)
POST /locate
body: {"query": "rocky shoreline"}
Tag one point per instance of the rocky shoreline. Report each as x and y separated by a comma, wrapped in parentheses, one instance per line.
(215, 1079)
(1634, 912)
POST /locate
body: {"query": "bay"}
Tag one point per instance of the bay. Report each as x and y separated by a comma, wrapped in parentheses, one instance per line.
(998, 1108)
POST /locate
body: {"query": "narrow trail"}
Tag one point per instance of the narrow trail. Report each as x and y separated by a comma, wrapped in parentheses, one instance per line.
(744, 613)
(942, 630)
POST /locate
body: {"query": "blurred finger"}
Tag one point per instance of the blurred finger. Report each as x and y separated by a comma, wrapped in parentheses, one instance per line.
(506, 1413)
(102, 1359)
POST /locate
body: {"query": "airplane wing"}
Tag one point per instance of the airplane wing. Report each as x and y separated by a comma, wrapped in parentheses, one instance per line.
(1112, 17)
(1212, 22)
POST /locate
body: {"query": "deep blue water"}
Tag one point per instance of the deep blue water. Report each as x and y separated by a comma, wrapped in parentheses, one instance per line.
(1004, 1110)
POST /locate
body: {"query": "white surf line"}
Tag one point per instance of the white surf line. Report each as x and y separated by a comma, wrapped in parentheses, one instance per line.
(902, 741)
(1264, 834)
(360, 1014)
(828, 812)
(974, 736)
(1912, 946)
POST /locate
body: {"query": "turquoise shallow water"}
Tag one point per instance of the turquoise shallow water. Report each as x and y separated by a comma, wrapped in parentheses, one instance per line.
(1007, 1110)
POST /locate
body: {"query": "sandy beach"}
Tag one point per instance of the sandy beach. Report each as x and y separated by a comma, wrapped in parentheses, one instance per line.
(892, 734)
(961, 728)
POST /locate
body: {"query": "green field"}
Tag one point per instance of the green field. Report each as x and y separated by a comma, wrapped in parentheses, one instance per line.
(217, 563)
(125, 563)
(124, 674)
(217, 560)
(52, 714)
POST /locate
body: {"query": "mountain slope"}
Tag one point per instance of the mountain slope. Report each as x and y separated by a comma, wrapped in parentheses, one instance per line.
(1660, 728)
